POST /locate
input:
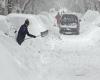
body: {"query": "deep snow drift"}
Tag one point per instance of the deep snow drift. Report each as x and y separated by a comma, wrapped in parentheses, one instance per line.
(8, 65)
(55, 56)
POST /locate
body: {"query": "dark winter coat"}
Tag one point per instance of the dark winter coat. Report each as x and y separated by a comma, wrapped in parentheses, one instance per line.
(22, 33)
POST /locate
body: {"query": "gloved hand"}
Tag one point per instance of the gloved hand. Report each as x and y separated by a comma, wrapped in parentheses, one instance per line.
(34, 36)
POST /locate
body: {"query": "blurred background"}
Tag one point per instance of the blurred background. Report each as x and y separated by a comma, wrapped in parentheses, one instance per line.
(36, 6)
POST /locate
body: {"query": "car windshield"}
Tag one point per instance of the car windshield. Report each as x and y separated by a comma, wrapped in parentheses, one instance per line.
(67, 20)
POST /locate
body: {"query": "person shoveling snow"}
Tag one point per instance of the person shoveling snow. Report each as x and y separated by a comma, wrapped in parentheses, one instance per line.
(23, 31)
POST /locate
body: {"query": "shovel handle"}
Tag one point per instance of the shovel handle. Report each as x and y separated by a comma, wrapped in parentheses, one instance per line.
(38, 35)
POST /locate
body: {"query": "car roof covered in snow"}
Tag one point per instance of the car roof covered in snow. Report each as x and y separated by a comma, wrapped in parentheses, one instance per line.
(36, 25)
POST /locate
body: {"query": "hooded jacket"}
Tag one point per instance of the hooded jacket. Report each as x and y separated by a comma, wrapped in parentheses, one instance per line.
(23, 31)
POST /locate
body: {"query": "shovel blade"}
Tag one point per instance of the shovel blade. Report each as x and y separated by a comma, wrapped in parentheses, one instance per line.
(45, 33)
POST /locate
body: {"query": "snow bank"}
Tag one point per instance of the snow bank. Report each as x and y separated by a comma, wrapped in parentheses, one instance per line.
(89, 21)
(54, 57)
(97, 21)
(17, 19)
(4, 24)
(36, 26)
(8, 67)
(90, 16)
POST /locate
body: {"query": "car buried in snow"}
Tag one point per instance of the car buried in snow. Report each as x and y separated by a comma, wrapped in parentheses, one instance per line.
(36, 26)
(69, 24)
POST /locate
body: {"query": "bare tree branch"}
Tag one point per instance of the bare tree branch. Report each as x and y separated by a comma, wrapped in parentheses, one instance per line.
(25, 5)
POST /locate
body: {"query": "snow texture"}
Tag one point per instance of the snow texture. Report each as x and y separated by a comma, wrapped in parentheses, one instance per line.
(53, 57)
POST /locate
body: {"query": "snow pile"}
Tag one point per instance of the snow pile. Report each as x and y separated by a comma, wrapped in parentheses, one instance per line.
(90, 16)
(8, 66)
(54, 57)
(89, 21)
(97, 21)
(4, 24)
(36, 26)
(16, 19)
(73, 57)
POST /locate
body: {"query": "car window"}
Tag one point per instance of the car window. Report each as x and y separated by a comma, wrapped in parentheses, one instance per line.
(67, 19)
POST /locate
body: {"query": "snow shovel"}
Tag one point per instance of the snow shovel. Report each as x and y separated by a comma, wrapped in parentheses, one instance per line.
(42, 34)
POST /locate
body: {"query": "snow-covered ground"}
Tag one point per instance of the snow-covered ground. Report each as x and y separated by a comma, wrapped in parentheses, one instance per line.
(55, 56)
